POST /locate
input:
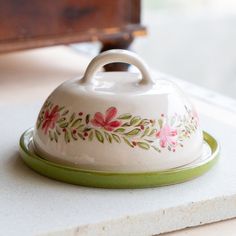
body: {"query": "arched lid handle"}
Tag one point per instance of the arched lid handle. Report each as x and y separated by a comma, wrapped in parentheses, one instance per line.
(116, 55)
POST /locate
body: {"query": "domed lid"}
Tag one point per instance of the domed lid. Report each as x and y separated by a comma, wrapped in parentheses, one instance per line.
(95, 83)
(145, 124)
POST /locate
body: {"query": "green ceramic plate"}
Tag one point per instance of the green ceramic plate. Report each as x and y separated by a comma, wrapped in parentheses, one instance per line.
(118, 180)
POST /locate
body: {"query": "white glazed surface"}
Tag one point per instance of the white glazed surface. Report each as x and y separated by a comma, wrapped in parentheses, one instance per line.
(148, 99)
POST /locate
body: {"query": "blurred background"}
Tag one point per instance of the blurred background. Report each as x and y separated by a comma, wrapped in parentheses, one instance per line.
(193, 40)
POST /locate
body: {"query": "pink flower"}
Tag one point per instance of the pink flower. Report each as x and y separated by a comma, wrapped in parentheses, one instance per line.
(50, 118)
(167, 136)
(106, 122)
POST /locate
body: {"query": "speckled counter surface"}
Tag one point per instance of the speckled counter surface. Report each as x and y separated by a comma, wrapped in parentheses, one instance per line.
(35, 205)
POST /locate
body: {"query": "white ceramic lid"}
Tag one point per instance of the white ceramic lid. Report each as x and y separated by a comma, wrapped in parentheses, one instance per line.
(118, 121)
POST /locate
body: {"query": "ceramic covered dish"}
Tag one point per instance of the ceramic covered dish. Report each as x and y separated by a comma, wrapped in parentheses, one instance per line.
(118, 121)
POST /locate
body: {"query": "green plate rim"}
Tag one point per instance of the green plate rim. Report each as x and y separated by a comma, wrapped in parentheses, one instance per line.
(103, 179)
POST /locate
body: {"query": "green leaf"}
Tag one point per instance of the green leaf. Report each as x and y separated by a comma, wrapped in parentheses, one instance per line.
(63, 125)
(87, 118)
(128, 142)
(143, 122)
(58, 131)
(143, 145)
(61, 120)
(65, 112)
(99, 136)
(72, 117)
(46, 104)
(39, 122)
(67, 136)
(87, 129)
(55, 137)
(124, 116)
(146, 131)
(80, 127)
(160, 122)
(119, 130)
(50, 135)
(156, 148)
(76, 123)
(135, 120)
(153, 131)
(150, 141)
(90, 136)
(133, 132)
(116, 138)
(125, 124)
(61, 108)
(108, 137)
(81, 136)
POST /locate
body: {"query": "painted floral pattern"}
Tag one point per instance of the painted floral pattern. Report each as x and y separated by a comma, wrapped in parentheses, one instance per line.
(167, 136)
(50, 119)
(106, 121)
(109, 126)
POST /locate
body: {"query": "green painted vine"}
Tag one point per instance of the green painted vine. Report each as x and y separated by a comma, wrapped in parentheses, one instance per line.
(137, 132)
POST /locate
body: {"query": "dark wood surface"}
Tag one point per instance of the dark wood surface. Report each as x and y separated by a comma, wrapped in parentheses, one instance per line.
(36, 23)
